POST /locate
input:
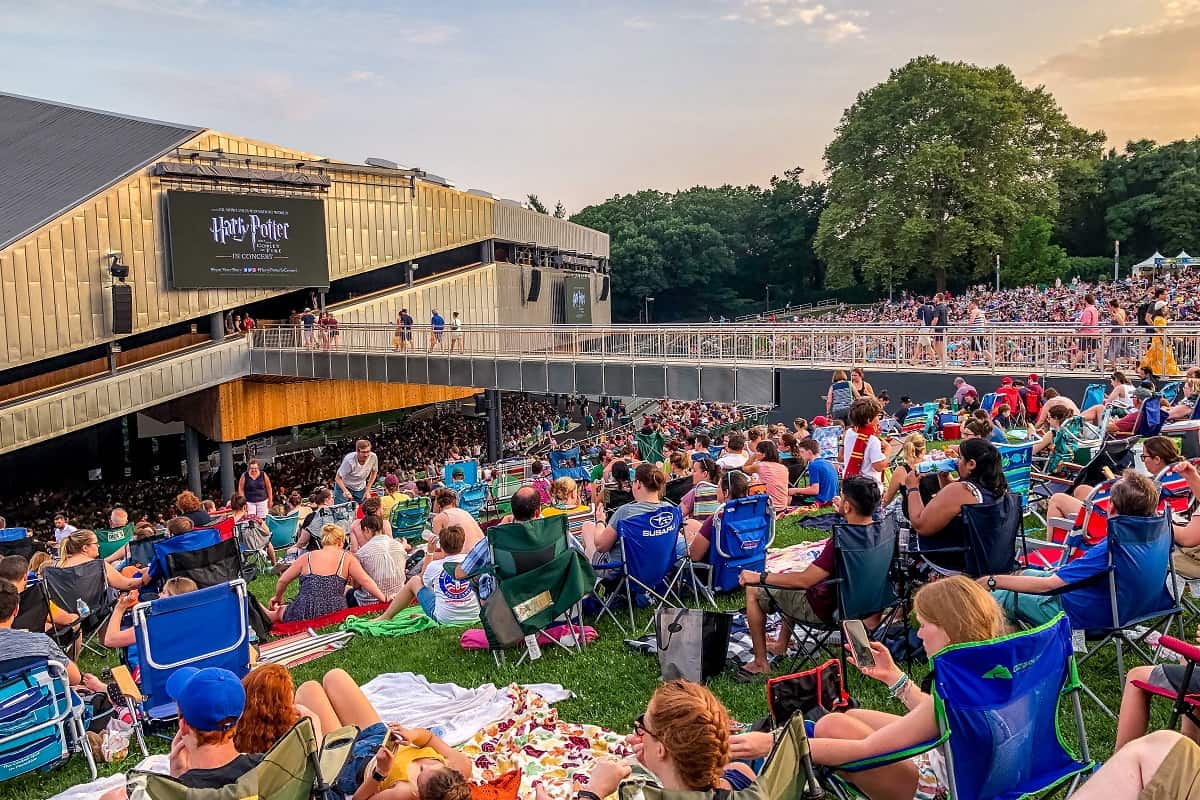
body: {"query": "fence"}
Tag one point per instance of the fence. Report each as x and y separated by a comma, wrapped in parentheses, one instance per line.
(1056, 349)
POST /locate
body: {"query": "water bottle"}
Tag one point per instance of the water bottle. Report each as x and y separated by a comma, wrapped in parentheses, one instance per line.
(941, 465)
(81, 608)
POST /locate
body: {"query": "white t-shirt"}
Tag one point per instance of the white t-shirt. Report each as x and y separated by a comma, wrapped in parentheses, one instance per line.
(455, 602)
(455, 325)
(354, 474)
(872, 456)
(63, 532)
(732, 460)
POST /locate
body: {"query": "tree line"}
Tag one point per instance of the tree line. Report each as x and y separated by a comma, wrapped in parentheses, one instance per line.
(930, 176)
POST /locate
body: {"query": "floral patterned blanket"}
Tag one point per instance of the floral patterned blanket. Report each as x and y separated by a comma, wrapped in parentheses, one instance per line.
(549, 752)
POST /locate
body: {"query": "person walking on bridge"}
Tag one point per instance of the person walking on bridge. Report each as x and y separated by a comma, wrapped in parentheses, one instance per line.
(437, 328)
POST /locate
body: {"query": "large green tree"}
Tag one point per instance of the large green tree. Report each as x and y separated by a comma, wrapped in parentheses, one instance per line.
(1030, 258)
(711, 251)
(932, 170)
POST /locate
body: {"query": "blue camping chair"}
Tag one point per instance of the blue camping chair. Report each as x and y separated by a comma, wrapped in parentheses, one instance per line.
(995, 540)
(1017, 462)
(714, 452)
(469, 467)
(473, 499)
(41, 719)
(568, 464)
(283, 529)
(742, 531)
(862, 563)
(646, 563)
(205, 628)
(988, 402)
(408, 519)
(1093, 395)
(1138, 572)
(997, 709)
(1171, 390)
(16, 542)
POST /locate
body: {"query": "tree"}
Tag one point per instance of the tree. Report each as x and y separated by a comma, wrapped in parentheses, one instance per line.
(536, 205)
(1030, 258)
(560, 211)
(935, 168)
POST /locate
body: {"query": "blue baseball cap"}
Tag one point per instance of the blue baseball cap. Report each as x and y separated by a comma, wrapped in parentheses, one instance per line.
(210, 699)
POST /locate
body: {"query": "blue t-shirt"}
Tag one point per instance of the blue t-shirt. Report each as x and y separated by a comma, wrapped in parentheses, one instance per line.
(1088, 604)
(998, 436)
(822, 472)
(437, 322)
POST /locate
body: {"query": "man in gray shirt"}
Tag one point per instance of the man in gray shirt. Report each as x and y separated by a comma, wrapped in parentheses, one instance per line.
(356, 474)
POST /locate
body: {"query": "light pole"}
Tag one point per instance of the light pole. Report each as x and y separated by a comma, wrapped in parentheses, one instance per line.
(646, 306)
(768, 297)
(1116, 259)
(997, 272)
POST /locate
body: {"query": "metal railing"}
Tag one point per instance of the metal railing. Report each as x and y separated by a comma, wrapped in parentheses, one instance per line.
(1053, 349)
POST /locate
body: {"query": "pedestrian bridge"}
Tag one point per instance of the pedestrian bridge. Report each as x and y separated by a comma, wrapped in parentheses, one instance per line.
(715, 363)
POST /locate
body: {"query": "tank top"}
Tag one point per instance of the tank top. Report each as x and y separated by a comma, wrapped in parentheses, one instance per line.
(255, 488)
(841, 396)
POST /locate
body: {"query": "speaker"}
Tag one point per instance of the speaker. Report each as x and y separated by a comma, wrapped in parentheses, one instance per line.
(122, 298)
(535, 284)
(604, 290)
(481, 404)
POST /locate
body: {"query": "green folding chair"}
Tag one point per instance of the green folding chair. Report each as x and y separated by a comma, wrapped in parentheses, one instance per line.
(113, 539)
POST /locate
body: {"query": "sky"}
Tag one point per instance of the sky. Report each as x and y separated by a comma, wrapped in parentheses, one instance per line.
(579, 101)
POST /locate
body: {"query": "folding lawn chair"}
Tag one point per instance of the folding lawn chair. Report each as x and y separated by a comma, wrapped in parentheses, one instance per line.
(1075, 444)
(73, 588)
(408, 519)
(41, 719)
(862, 565)
(341, 514)
(283, 529)
(997, 708)
(995, 540)
(829, 437)
(17, 542)
(1149, 422)
(205, 628)
(1137, 575)
(742, 531)
(1184, 703)
(568, 463)
(1170, 391)
(473, 499)
(676, 488)
(1093, 395)
(295, 768)
(201, 555)
(253, 540)
(646, 563)
(650, 446)
(469, 467)
(539, 576)
(33, 612)
(113, 539)
(915, 421)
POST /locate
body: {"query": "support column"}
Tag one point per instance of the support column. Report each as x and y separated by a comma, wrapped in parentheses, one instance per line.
(216, 326)
(114, 352)
(495, 429)
(227, 482)
(191, 453)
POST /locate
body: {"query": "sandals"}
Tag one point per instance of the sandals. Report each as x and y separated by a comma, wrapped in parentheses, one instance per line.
(744, 675)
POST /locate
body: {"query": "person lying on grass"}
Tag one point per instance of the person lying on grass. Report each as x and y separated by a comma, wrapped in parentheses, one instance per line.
(816, 603)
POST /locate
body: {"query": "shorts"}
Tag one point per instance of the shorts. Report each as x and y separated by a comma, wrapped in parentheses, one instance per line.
(428, 601)
(978, 344)
(1089, 343)
(792, 603)
(1178, 777)
(1170, 677)
(365, 746)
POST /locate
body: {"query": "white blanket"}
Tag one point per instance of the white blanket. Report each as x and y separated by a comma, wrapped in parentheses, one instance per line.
(93, 789)
(456, 713)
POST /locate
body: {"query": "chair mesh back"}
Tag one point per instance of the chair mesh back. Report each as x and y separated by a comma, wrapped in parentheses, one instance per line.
(992, 532)
(1017, 463)
(676, 488)
(283, 529)
(1139, 549)
(741, 534)
(167, 546)
(472, 498)
(519, 547)
(999, 701)
(66, 586)
(208, 566)
(863, 560)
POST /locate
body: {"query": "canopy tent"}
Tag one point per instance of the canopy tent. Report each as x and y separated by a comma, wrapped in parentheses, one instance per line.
(1150, 264)
(1184, 260)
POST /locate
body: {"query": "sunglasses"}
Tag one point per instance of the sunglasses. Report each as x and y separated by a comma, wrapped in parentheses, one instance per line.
(639, 727)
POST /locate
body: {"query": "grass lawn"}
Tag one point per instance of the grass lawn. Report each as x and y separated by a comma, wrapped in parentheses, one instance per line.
(612, 683)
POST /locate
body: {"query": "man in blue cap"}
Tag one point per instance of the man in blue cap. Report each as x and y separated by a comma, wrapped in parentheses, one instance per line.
(211, 702)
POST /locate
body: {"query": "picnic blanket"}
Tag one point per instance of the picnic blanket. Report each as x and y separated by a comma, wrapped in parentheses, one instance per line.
(406, 621)
(288, 628)
(741, 651)
(92, 790)
(548, 751)
(456, 713)
(795, 558)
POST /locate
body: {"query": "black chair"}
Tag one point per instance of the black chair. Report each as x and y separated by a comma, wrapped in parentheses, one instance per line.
(17, 542)
(208, 566)
(33, 613)
(70, 588)
(995, 537)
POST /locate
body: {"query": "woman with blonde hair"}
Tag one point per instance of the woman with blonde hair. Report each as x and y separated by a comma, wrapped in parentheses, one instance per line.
(839, 397)
(564, 498)
(912, 452)
(83, 546)
(950, 611)
(324, 575)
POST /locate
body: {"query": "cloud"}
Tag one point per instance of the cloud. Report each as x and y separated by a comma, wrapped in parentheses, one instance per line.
(1135, 81)
(639, 23)
(361, 76)
(834, 25)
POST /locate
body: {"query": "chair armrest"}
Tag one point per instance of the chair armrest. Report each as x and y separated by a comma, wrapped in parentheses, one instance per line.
(1189, 651)
(894, 757)
(125, 684)
(1070, 587)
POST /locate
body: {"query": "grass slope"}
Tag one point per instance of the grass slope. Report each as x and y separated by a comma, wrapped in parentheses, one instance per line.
(611, 682)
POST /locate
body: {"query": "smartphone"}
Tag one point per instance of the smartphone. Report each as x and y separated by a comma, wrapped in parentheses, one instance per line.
(391, 741)
(856, 636)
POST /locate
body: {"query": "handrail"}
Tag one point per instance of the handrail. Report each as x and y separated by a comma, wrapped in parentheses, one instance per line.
(1008, 348)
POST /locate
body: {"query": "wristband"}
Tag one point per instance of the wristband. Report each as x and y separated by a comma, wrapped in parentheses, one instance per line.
(428, 738)
(897, 687)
